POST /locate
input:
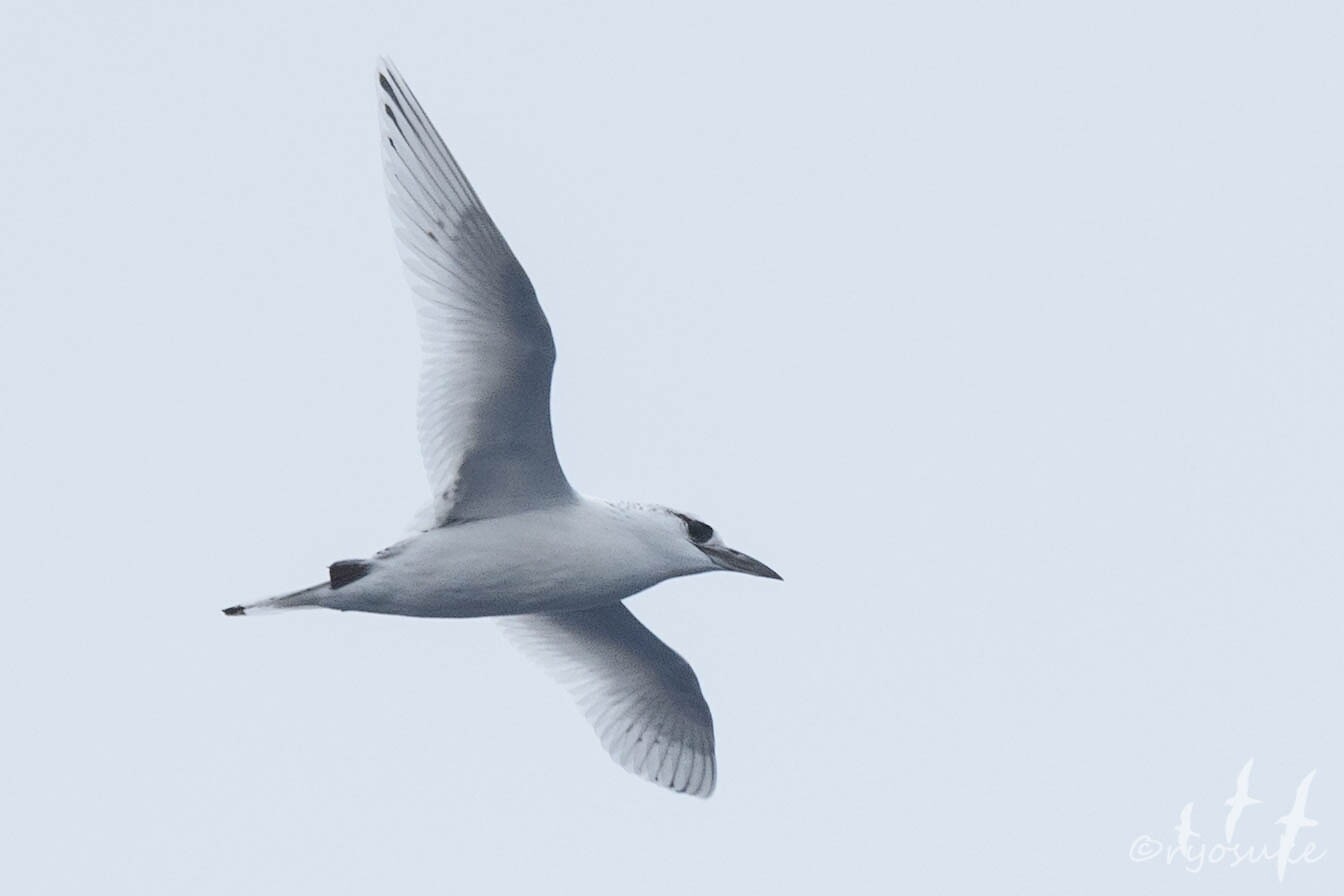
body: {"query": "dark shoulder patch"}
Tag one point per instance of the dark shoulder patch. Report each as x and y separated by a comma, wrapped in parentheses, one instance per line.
(343, 572)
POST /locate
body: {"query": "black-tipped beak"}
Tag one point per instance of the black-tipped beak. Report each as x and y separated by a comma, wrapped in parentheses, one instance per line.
(736, 561)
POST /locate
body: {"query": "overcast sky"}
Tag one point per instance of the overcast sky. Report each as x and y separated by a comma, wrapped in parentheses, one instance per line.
(1010, 334)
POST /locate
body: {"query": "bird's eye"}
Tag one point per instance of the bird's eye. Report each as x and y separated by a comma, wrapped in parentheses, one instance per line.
(699, 532)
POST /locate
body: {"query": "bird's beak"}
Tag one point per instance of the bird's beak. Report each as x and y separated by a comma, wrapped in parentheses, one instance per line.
(736, 561)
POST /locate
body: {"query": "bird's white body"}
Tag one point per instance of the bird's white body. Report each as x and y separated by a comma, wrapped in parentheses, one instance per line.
(506, 535)
(573, 556)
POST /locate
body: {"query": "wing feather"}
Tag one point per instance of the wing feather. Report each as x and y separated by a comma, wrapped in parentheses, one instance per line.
(485, 384)
(640, 696)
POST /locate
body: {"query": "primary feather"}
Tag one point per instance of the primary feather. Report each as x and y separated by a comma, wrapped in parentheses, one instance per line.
(485, 387)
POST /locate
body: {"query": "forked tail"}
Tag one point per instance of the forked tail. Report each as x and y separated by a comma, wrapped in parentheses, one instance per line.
(308, 597)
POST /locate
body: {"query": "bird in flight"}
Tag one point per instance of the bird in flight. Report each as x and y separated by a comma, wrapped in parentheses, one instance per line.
(505, 534)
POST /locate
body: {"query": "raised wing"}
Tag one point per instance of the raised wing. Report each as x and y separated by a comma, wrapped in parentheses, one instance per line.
(641, 697)
(485, 387)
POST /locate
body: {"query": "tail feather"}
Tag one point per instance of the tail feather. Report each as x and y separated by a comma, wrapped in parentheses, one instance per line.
(308, 597)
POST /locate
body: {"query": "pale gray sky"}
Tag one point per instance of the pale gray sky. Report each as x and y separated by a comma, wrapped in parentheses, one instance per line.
(1011, 334)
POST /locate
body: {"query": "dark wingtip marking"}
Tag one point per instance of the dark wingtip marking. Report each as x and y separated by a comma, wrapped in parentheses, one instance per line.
(343, 572)
(234, 611)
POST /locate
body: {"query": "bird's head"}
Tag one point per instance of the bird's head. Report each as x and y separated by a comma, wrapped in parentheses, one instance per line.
(699, 548)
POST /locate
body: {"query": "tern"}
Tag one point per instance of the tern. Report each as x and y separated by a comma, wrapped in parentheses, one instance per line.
(505, 534)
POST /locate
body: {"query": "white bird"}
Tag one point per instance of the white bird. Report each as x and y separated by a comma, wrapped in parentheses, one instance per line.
(505, 534)
(1239, 801)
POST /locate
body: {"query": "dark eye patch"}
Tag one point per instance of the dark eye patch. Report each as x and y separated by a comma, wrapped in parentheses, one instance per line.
(699, 532)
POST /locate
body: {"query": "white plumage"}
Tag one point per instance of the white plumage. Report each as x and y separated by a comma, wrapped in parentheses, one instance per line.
(641, 697)
(506, 535)
(485, 388)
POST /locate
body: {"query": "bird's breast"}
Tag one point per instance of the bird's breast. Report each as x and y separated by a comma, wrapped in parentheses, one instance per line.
(524, 564)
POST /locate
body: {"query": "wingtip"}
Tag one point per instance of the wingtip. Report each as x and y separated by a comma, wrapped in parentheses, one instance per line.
(235, 611)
